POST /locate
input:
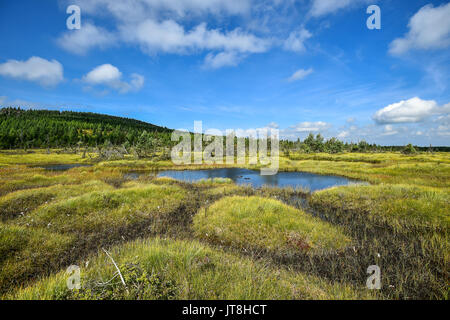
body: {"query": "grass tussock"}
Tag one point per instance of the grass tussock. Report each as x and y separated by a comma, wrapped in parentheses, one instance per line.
(21, 177)
(25, 252)
(20, 203)
(269, 224)
(39, 157)
(167, 269)
(403, 229)
(401, 206)
(106, 211)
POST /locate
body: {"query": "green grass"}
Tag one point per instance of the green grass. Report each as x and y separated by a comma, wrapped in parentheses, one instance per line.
(49, 220)
(398, 205)
(401, 228)
(39, 157)
(269, 224)
(20, 203)
(157, 268)
(214, 181)
(107, 211)
(21, 177)
(25, 252)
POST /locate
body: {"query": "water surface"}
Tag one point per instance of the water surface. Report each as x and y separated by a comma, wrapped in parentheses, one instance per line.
(63, 167)
(241, 176)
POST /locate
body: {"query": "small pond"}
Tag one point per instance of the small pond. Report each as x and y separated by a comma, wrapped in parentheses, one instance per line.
(63, 167)
(306, 180)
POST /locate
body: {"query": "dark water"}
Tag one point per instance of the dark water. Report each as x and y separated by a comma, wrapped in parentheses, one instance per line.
(305, 180)
(64, 167)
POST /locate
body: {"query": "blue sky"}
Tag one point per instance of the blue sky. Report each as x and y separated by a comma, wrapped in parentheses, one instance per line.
(299, 65)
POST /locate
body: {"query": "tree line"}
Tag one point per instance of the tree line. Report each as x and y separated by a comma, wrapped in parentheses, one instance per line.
(54, 129)
(29, 128)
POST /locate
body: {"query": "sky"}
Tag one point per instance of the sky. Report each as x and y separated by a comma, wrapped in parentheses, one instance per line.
(299, 66)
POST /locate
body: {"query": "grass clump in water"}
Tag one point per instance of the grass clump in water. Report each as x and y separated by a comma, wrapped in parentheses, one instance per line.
(213, 181)
(268, 224)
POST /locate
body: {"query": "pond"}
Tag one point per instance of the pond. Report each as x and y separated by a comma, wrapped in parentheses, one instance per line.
(306, 180)
(63, 167)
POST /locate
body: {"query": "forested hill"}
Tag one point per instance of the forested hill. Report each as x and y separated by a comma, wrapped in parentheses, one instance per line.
(53, 129)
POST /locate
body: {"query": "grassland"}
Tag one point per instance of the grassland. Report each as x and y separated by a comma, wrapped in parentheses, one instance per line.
(261, 243)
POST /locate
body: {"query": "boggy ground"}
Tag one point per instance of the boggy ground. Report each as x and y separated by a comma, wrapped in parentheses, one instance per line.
(214, 239)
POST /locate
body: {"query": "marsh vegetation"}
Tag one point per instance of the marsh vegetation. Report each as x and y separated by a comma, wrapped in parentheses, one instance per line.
(216, 239)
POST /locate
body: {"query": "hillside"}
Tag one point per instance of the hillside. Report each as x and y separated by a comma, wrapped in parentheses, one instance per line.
(48, 129)
(55, 129)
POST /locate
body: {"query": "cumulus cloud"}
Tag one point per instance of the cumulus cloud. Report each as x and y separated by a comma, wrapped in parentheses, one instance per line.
(389, 130)
(311, 126)
(429, 28)
(110, 76)
(88, 37)
(300, 74)
(302, 129)
(222, 59)
(170, 37)
(409, 111)
(324, 7)
(180, 8)
(36, 69)
(296, 39)
(154, 25)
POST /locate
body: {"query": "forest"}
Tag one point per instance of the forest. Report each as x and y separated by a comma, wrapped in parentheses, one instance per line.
(26, 129)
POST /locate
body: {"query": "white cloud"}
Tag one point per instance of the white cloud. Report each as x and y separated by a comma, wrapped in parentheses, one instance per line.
(88, 37)
(170, 37)
(429, 28)
(273, 125)
(138, 9)
(103, 74)
(296, 39)
(322, 7)
(222, 59)
(36, 69)
(110, 76)
(389, 130)
(343, 134)
(409, 111)
(154, 25)
(300, 74)
(311, 126)
(137, 81)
